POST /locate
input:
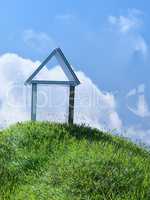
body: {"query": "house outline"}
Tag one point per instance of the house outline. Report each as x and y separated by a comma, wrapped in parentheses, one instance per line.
(72, 82)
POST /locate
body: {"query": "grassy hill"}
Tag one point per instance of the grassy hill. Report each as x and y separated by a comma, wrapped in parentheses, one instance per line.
(42, 161)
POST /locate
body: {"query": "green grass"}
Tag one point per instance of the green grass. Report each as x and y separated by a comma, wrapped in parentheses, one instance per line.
(42, 161)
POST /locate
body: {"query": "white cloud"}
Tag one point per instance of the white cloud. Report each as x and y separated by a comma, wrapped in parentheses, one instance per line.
(95, 107)
(138, 134)
(129, 26)
(127, 23)
(140, 45)
(123, 23)
(39, 41)
(92, 106)
(141, 108)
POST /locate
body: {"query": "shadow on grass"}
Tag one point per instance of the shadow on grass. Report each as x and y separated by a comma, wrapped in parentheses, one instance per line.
(95, 135)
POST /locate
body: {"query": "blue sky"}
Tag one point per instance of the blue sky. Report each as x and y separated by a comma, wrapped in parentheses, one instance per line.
(79, 27)
(107, 40)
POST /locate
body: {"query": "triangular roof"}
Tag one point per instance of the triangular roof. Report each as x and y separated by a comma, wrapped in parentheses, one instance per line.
(66, 67)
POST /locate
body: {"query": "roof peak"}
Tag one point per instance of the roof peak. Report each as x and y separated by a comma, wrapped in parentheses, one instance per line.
(62, 60)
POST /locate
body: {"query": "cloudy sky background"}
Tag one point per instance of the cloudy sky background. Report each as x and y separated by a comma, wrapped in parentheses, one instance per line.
(107, 43)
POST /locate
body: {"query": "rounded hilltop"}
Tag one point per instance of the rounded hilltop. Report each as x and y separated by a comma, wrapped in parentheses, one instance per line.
(43, 161)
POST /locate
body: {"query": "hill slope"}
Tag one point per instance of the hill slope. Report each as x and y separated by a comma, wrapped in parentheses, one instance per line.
(42, 161)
